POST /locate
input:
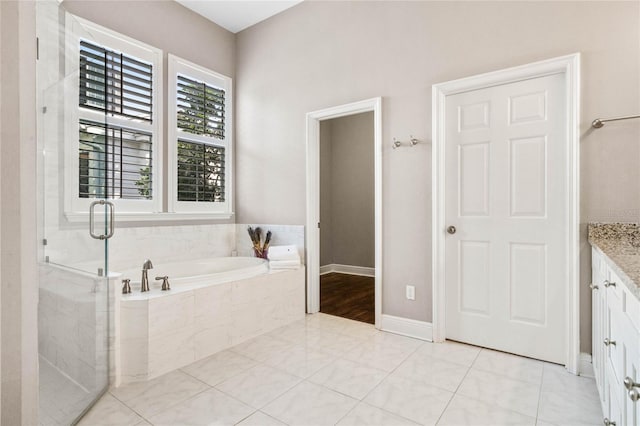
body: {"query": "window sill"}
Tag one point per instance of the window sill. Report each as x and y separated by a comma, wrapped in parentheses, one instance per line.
(83, 217)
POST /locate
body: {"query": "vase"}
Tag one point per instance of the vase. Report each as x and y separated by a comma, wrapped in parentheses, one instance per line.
(261, 254)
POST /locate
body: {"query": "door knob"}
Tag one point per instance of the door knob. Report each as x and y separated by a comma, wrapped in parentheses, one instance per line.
(451, 229)
(608, 342)
(634, 395)
(630, 384)
(608, 283)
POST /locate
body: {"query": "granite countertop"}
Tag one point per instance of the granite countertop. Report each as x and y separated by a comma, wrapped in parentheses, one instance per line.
(620, 245)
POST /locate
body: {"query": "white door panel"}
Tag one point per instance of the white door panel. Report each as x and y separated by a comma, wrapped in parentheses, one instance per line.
(505, 160)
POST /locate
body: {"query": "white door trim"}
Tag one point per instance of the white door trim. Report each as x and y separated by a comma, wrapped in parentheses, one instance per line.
(569, 66)
(313, 197)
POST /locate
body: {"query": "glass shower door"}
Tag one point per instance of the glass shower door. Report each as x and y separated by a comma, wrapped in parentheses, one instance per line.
(74, 292)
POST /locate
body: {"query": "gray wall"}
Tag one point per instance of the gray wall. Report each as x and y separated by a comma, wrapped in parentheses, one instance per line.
(321, 54)
(18, 278)
(166, 25)
(347, 191)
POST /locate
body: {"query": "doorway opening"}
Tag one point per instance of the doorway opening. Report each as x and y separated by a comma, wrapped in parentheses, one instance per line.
(344, 208)
(347, 230)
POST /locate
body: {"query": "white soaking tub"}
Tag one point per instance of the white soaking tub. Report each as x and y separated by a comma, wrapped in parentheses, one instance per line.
(192, 274)
(213, 304)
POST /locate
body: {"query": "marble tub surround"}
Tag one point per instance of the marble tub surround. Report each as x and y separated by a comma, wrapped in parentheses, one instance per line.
(620, 245)
(283, 235)
(161, 334)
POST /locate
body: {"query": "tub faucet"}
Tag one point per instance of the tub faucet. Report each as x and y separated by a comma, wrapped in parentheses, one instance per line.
(145, 276)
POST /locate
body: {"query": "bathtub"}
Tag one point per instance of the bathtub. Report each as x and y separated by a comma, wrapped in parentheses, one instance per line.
(193, 274)
(213, 304)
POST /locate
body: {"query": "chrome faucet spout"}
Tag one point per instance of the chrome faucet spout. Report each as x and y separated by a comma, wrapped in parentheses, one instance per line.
(144, 283)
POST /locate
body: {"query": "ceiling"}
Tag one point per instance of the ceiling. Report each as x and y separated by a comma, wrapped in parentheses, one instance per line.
(236, 15)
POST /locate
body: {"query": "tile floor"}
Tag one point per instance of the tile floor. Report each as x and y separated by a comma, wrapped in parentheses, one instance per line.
(327, 370)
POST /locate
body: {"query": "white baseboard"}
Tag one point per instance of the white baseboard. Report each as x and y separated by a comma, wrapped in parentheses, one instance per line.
(586, 366)
(407, 327)
(326, 269)
(348, 269)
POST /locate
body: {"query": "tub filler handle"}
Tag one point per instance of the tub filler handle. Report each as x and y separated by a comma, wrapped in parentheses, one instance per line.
(165, 283)
(126, 286)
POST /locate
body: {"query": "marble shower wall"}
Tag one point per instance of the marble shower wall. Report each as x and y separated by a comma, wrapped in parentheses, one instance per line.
(73, 323)
(129, 247)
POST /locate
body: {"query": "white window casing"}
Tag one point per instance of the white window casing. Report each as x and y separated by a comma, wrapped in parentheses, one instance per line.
(220, 207)
(79, 30)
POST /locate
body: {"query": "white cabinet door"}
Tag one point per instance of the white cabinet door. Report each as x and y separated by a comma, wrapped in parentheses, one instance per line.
(597, 317)
(631, 403)
(505, 161)
(631, 357)
(616, 344)
(614, 338)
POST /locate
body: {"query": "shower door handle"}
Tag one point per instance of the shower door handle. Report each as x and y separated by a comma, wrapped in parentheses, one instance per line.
(92, 208)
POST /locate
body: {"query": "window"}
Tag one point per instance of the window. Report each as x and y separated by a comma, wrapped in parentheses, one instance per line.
(114, 162)
(114, 139)
(114, 83)
(199, 139)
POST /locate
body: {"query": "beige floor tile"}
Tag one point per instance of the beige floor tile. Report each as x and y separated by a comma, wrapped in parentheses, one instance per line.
(401, 381)
(501, 391)
(508, 365)
(110, 411)
(432, 371)
(259, 385)
(219, 367)
(368, 415)
(463, 411)
(410, 399)
(348, 377)
(260, 419)
(301, 360)
(310, 404)
(207, 408)
(153, 396)
(454, 352)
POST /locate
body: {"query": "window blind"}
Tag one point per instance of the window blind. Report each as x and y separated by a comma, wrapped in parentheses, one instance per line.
(115, 83)
(201, 170)
(200, 108)
(114, 162)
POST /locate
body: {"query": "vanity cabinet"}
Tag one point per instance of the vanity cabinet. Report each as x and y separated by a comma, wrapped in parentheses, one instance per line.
(616, 344)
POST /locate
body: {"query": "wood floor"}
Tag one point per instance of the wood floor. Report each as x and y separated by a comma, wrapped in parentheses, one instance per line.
(348, 296)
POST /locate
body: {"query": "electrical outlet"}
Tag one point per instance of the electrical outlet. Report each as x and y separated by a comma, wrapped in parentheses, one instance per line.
(411, 292)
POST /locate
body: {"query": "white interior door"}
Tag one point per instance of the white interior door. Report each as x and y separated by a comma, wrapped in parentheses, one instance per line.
(506, 195)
